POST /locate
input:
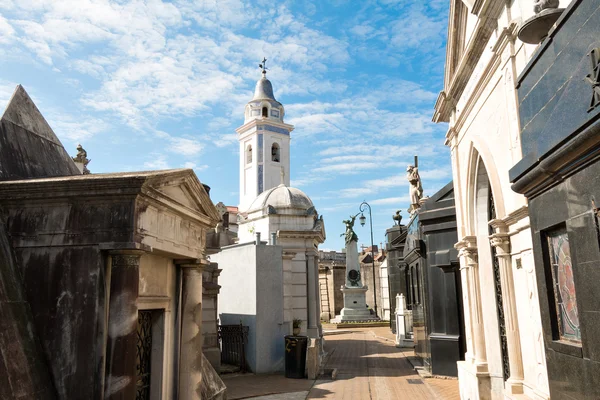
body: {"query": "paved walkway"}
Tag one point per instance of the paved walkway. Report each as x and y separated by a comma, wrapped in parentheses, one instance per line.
(369, 366)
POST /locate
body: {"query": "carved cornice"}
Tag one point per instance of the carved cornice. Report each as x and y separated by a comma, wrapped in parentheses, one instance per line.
(192, 263)
(556, 166)
(447, 99)
(516, 215)
(315, 235)
(499, 225)
(451, 138)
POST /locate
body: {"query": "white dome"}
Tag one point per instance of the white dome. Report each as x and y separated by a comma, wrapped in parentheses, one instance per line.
(282, 197)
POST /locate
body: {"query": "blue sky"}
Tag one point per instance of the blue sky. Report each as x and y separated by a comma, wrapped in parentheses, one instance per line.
(162, 84)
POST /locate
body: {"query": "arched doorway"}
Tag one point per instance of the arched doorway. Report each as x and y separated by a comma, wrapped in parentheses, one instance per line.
(485, 211)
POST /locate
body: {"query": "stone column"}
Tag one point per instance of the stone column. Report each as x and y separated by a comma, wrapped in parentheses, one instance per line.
(469, 267)
(190, 364)
(501, 243)
(121, 346)
(313, 296)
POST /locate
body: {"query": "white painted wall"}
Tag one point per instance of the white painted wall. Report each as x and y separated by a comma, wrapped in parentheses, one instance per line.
(252, 292)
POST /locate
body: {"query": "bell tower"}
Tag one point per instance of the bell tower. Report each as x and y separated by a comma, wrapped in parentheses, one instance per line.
(264, 143)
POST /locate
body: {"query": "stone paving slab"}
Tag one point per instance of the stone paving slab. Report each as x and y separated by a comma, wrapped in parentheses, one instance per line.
(372, 368)
(245, 386)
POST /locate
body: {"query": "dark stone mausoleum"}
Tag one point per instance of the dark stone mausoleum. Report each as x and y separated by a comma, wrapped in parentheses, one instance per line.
(433, 288)
(559, 107)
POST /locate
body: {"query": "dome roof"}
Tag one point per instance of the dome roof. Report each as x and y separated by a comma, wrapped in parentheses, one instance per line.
(263, 90)
(282, 197)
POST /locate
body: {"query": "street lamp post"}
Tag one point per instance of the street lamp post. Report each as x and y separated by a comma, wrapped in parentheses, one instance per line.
(362, 220)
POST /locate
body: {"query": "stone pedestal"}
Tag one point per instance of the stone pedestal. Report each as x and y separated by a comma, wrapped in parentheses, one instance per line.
(355, 303)
(403, 323)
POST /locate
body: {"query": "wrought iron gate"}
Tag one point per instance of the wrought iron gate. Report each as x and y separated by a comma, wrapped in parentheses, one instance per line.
(233, 340)
(143, 354)
(498, 290)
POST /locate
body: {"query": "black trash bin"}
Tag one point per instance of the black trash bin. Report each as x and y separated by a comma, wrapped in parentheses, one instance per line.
(295, 356)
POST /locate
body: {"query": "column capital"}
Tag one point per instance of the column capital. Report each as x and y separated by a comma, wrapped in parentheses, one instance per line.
(467, 248)
(501, 242)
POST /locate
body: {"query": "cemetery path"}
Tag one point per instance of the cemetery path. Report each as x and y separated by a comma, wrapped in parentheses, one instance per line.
(369, 366)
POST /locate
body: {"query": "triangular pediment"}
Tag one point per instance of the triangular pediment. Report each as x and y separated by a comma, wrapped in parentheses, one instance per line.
(182, 188)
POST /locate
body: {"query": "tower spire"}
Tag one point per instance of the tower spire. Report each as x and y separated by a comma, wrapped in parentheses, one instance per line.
(263, 66)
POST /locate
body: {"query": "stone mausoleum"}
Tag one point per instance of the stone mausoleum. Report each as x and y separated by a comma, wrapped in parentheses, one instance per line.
(559, 110)
(101, 274)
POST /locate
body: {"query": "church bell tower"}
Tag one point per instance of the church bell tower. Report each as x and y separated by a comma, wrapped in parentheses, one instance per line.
(264, 143)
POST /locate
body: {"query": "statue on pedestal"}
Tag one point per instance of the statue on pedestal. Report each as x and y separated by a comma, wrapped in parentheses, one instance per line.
(81, 158)
(415, 190)
(397, 218)
(540, 5)
(350, 234)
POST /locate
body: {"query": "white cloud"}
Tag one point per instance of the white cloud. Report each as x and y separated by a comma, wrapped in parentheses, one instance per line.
(194, 166)
(6, 91)
(6, 31)
(417, 30)
(157, 161)
(75, 129)
(390, 200)
(185, 147)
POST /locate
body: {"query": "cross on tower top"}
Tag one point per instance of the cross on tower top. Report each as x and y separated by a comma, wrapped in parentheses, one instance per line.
(263, 66)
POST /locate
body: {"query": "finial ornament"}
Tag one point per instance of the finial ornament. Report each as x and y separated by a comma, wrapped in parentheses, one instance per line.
(282, 176)
(263, 66)
(81, 158)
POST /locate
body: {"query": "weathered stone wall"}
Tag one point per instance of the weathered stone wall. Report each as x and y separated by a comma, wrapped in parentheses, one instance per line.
(64, 276)
(23, 372)
(366, 272)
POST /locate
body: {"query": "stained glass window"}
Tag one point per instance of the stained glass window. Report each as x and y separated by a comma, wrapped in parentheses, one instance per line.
(564, 286)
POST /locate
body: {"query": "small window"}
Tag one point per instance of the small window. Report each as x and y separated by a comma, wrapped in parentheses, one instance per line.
(265, 112)
(275, 152)
(566, 316)
(249, 155)
(418, 282)
(407, 282)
